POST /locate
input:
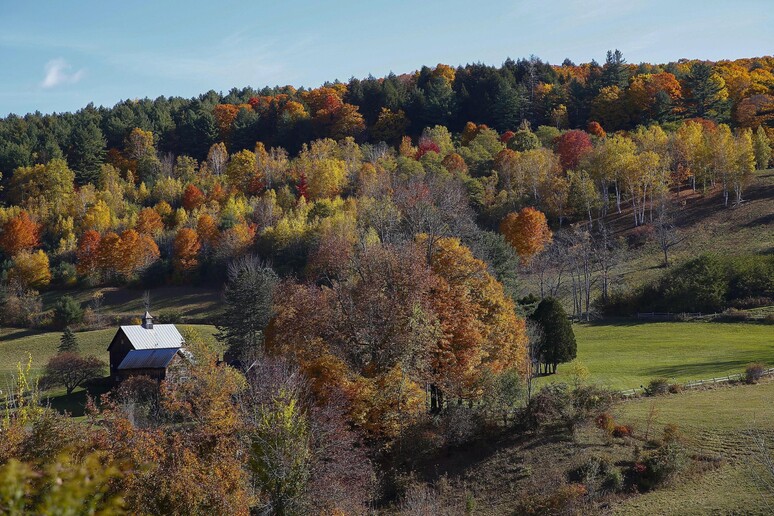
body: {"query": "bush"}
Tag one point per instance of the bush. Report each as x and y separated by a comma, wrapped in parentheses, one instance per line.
(67, 311)
(558, 407)
(658, 387)
(675, 388)
(640, 236)
(605, 422)
(660, 466)
(753, 373)
(621, 431)
(613, 481)
(65, 274)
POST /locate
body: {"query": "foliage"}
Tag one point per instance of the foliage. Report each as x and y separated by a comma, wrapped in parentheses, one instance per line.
(68, 343)
(71, 370)
(248, 300)
(557, 343)
(67, 311)
(754, 372)
(527, 231)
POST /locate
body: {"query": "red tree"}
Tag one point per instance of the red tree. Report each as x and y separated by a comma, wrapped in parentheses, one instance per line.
(571, 147)
(192, 198)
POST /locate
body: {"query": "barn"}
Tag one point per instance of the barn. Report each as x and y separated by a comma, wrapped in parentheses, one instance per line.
(144, 349)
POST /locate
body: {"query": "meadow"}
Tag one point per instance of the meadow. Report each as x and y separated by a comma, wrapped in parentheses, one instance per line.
(719, 425)
(626, 355)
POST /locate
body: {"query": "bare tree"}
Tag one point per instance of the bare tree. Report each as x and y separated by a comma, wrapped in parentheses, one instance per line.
(666, 233)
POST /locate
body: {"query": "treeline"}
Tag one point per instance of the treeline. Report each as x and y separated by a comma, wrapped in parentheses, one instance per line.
(617, 95)
(708, 283)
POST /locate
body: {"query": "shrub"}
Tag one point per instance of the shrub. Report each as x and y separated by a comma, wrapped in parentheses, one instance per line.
(67, 311)
(558, 407)
(605, 422)
(613, 481)
(65, 274)
(671, 433)
(754, 372)
(661, 465)
(640, 236)
(623, 431)
(658, 386)
(675, 388)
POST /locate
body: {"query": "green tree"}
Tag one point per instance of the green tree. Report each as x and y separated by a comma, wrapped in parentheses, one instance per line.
(67, 311)
(87, 152)
(68, 342)
(708, 93)
(280, 454)
(248, 306)
(558, 340)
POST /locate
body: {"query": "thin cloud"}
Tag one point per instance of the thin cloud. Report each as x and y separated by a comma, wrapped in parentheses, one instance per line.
(58, 73)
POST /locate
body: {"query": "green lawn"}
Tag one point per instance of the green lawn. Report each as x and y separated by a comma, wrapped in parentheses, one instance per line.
(719, 423)
(627, 355)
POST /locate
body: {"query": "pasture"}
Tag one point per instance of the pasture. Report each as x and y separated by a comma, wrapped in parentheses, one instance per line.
(625, 355)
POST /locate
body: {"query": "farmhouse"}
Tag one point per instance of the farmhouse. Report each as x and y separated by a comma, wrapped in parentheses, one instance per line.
(144, 349)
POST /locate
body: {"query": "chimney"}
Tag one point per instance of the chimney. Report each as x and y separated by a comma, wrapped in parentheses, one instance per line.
(147, 321)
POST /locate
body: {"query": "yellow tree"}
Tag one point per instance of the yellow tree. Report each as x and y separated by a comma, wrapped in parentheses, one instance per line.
(30, 269)
(186, 251)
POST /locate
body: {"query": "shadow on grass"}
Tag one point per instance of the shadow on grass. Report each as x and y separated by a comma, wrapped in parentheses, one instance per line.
(618, 321)
(75, 404)
(18, 333)
(704, 370)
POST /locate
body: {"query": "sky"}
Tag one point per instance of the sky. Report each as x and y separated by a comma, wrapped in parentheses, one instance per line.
(58, 56)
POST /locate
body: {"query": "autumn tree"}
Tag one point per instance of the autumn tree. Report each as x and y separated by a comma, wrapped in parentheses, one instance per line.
(571, 147)
(71, 370)
(193, 197)
(149, 222)
(18, 234)
(186, 251)
(87, 254)
(527, 231)
(30, 269)
(241, 170)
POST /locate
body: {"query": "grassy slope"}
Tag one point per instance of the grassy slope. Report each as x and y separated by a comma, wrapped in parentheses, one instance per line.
(718, 423)
(195, 304)
(17, 345)
(627, 355)
(706, 226)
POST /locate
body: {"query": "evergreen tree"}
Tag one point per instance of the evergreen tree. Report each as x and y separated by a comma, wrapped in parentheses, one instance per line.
(558, 341)
(87, 152)
(67, 342)
(248, 306)
(708, 93)
(615, 72)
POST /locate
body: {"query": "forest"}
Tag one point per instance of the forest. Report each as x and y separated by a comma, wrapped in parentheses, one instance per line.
(371, 240)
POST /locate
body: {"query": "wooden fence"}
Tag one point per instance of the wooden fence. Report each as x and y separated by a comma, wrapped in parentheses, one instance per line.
(696, 384)
(687, 316)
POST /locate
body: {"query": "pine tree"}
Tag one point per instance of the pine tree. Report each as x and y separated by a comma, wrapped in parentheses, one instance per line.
(248, 306)
(87, 152)
(67, 342)
(558, 342)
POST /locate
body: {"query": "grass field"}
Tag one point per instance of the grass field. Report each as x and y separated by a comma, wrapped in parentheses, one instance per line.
(719, 423)
(16, 345)
(627, 355)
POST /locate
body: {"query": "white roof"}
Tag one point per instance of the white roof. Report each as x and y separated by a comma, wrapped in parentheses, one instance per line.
(159, 337)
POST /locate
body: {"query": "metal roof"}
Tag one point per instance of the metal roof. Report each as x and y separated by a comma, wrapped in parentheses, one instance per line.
(148, 358)
(159, 337)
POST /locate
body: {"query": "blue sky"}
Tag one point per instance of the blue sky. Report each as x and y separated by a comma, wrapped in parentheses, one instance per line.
(60, 55)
